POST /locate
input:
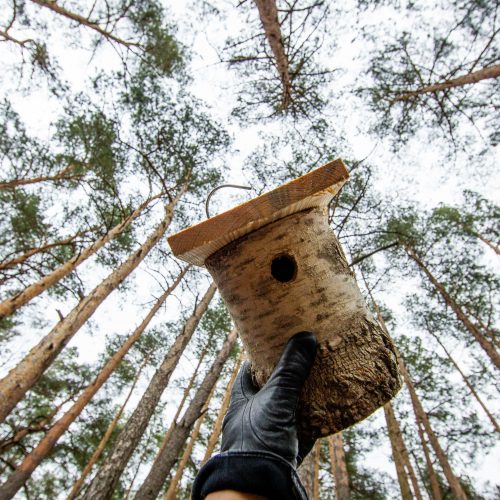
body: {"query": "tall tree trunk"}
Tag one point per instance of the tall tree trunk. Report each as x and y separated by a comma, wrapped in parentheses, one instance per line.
(9, 264)
(436, 492)
(423, 420)
(474, 77)
(172, 487)
(268, 14)
(107, 435)
(108, 475)
(306, 474)
(27, 372)
(12, 304)
(164, 461)
(404, 484)
(138, 468)
(468, 384)
(339, 466)
(214, 436)
(185, 394)
(453, 481)
(31, 461)
(317, 459)
(435, 487)
(488, 347)
(401, 457)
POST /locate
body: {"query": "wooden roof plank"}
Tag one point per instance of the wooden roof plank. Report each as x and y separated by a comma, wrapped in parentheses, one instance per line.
(313, 189)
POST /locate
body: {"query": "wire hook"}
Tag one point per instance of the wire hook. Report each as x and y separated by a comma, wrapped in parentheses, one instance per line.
(216, 189)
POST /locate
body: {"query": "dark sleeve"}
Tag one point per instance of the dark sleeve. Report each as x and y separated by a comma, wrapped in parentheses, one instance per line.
(260, 473)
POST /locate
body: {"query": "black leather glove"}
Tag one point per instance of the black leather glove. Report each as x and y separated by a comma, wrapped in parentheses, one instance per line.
(260, 446)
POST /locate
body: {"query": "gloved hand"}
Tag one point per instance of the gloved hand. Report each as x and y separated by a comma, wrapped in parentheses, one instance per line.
(260, 446)
(264, 420)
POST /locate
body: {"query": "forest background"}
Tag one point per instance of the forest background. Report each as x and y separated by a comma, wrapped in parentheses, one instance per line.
(117, 120)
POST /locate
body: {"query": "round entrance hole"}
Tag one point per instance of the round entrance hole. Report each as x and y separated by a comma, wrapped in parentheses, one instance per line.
(284, 268)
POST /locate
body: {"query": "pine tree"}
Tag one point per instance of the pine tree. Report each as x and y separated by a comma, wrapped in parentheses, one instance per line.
(135, 31)
(279, 53)
(439, 76)
(28, 371)
(165, 459)
(217, 427)
(109, 473)
(404, 468)
(12, 304)
(426, 242)
(43, 448)
(107, 435)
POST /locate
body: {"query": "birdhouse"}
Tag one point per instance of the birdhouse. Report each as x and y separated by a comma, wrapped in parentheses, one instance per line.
(280, 270)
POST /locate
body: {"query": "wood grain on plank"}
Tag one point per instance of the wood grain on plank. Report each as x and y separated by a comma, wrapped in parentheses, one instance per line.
(314, 189)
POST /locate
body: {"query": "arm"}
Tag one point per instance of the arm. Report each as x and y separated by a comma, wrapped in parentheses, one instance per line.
(233, 495)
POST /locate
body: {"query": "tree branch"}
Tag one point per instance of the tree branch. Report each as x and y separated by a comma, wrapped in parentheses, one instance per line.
(361, 258)
(470, 78)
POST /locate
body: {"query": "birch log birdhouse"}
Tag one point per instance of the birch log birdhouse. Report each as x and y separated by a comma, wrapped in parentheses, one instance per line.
(280, 270)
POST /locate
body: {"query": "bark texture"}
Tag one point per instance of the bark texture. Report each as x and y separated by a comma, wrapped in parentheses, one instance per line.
(27, 372)
(453, 481)
(355, 371)
(171, 492)
(103, 484)
(317, 459)
(474, 77)
(488, 347)
(306, 474)
(268, 14)
(12, 304)
(214, 436)
(45, 446)
(339, 467)
(404, 468)
(166, 459)
(105, 438)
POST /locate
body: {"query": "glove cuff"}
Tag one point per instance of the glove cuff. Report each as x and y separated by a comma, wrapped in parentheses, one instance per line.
(260, 473)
